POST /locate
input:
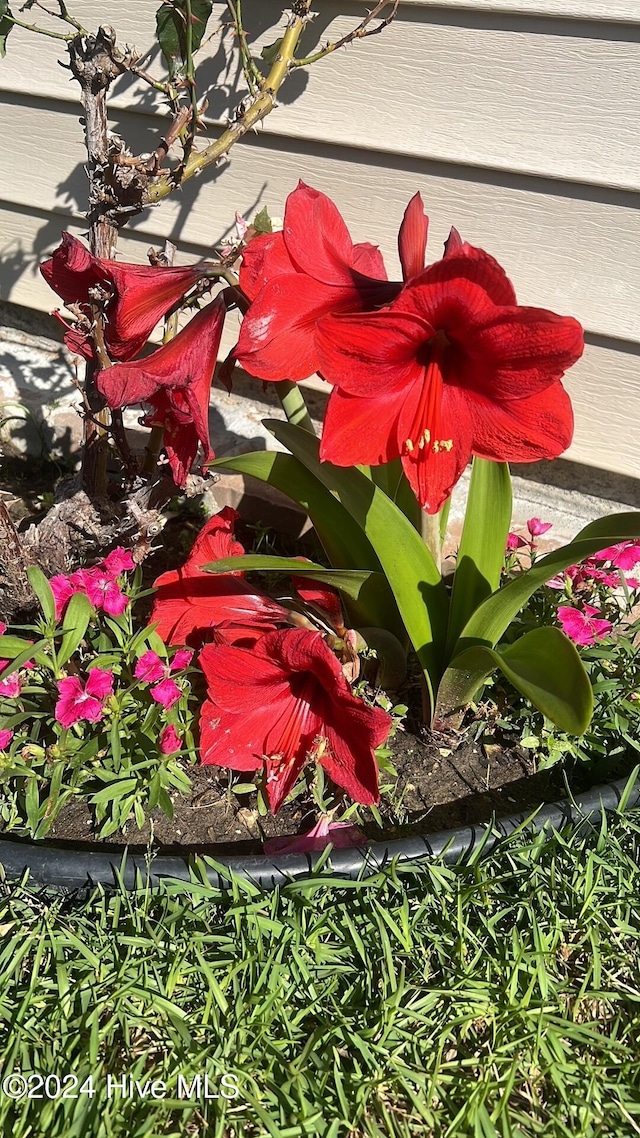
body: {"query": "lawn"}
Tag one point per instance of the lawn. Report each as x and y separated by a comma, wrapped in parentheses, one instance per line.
(499, 997)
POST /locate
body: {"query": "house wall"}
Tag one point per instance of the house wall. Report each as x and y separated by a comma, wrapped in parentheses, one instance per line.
(516, 119)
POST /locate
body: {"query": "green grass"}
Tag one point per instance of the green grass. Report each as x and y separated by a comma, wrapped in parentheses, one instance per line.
(497, 998)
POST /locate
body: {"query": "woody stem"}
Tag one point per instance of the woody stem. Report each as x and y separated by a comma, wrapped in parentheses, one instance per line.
(259, 108)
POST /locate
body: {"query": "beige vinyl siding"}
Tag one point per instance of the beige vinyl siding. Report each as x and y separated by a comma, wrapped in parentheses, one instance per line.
(516, 119)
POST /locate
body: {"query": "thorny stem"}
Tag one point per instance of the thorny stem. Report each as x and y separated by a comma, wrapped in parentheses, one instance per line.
(40, 31)
(190, 80)
(261, 106)
(251, 71)
(361, 32)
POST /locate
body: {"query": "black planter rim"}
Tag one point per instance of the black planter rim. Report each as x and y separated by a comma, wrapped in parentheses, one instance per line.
(76, 869)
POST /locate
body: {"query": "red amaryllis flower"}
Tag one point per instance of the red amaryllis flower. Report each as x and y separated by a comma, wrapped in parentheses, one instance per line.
(189, 603)
(294, 277)
(453, 367)
(176, 381)
(282, 703)
(138, 295)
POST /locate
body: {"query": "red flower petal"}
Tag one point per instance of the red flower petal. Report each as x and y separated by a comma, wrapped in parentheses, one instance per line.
(412, 238)
(361, 430)
(432, 474)
(371, 353)
(264, 258)
(522, 430)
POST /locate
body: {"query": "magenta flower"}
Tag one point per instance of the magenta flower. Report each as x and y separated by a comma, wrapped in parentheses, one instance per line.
(3, 628)
(102, 590)
(625, 555)
(340, 835)
(537, 528)
(170, 742)
(11, 687)
(118, 561)
(6, 735)
(181, 660)
(166, 693)
(582, 626)
(514, 541)
(63, 588)
(149, 668)
(77, 702)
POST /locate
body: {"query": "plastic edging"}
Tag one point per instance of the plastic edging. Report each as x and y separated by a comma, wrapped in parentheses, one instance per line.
(73, 868)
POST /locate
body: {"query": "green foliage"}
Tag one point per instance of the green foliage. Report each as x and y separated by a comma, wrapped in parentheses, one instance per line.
(6, 25)
(262, 222)
(491, 999)
(115, 764)
(171, 30)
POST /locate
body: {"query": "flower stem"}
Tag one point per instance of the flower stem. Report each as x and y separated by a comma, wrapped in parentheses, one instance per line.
(430, 530)
(260, 107)
(294, 406)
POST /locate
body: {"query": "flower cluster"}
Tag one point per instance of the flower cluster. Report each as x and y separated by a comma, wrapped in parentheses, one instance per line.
(432, 370)
(276, 697)
(99, 583)
(128, 300)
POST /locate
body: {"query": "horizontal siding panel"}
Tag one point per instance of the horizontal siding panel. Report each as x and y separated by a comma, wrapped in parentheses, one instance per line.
(604, 385)
(618, 11)
(570, 254)
(466, 88)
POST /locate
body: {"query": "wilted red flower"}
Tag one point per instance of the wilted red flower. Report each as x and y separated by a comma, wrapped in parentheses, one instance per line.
(139, 295)
(285, 702)
(189, 603)
(453, 367)
(341, 835)
(296, 276)
(176, 381)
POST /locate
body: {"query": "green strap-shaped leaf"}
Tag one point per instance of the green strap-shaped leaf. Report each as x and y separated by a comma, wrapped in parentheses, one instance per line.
(346, 545)
(74, 626)
(543, 665)
(406, 562)
(492, 618)
(42, 589)
(484, 538)
(350, 581)
(392, 480)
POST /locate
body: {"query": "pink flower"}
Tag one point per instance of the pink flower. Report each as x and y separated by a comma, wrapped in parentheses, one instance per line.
(77, 702)
(63, 588)
(11, 687)
(101, 589)
(118, 561)
(537, 528)
(625, 555)
(6, 735)
(514, 541)
(3, 628)
(170, 742)
(149, 668)
(181, 660)
(340, 835)
(166, 693)
(581, 626)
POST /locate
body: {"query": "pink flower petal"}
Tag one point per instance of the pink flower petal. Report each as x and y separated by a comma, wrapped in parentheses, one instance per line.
(149, 668)
(181, 660)
(170, 742)
(340, 835)
(6, 735)
(166, 693)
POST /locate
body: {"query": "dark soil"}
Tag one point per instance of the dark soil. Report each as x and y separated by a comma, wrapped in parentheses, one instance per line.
(436, 788)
